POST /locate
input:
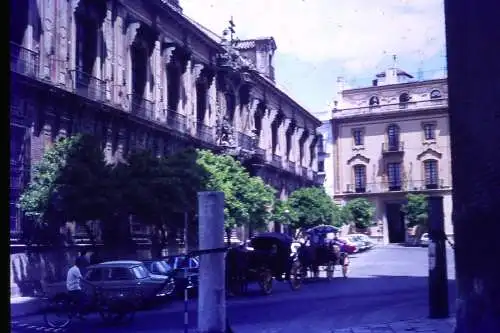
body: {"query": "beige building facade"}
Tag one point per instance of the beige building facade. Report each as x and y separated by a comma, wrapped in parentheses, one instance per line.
(388, 140)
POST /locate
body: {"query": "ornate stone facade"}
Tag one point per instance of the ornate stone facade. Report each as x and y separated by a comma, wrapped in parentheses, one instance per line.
(141, 75)
(387, 140)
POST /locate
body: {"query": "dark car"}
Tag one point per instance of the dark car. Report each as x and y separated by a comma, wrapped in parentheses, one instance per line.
(183, 270)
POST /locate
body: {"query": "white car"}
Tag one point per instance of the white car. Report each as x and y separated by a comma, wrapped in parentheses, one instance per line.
(369, 243)
(424, 239)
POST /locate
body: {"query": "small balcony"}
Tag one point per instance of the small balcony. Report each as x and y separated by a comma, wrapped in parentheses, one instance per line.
(260, 152)
(141, 107)
(245, 141)
(88, 86)
(176, 121)
(23, 61)
(393, 147)
(204, 133)
(276, 161)
(397, 185)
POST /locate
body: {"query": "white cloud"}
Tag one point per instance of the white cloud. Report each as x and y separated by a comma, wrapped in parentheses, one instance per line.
(358, 33)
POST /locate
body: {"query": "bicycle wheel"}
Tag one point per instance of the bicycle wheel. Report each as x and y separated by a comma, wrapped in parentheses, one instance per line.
(57, 313)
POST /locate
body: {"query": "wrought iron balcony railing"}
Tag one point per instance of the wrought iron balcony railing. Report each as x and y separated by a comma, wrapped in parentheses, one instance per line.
(141, 107)
(24, 61)
(204, 132)
(393, 147)
(276, 161)
(176, 121)
(290, 166)
(88, 86)
(397, 185)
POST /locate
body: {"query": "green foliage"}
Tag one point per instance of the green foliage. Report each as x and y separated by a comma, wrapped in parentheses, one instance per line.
(309, 207)
(416, 210)
(247, 199)
(359, 211)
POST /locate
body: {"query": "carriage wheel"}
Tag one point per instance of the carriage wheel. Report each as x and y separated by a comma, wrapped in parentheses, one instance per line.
(266, 281)
(296, 275)
(330, 268)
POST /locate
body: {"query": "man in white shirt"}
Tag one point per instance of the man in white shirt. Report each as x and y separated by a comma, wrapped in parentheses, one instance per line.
(73, 283)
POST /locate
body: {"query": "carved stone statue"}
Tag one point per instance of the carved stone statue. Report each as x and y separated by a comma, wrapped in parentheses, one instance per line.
(225, 134)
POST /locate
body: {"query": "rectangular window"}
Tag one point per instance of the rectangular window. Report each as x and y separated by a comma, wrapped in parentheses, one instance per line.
(431, 174)
(394, 176)
(321, 166)
(360, 178)
(358, 137)
(429, 132)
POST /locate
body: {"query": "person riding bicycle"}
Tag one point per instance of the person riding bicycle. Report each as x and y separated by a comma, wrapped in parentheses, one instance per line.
(74, 284)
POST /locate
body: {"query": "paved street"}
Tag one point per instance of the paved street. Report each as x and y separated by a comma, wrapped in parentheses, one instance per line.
(386, 284)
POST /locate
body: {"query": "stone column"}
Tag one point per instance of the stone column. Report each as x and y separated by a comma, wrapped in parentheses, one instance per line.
(212, 294)
(307, 151)
(185, 89)
(129, 40)
(250, 116)
(166, 56)
(267, 122)
(72, 36)
(47, 48)
(197, 72)
(212, 103)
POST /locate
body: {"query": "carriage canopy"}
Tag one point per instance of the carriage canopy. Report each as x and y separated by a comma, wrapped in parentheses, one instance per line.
(265, 241)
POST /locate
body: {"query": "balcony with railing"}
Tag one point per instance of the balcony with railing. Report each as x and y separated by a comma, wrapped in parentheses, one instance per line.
(88, 86)
(176, 121)
(393, 147)
(245, 141)
(23, 61)
(204, 132)
(276, 161)
(397, 185)
(141, 107)
(391, 108)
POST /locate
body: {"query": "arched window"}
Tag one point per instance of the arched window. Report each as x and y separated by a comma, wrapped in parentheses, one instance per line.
(431, 174)
(359, 178)
(435, 94)
(393, 137)
(374, 101)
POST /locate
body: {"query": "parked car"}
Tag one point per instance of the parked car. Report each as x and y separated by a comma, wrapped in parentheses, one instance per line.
(185, 270)
(347, 246)
(360, 244)
(424, 239)
(365, 241)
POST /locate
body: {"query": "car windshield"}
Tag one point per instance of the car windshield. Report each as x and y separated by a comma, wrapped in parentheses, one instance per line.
(140, 272)
(162, 267)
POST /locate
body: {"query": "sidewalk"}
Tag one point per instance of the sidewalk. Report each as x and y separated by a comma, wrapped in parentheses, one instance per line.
(424, 325)
(24, 306)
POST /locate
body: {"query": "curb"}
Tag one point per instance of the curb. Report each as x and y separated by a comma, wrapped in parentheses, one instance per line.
(25, 306)
(36, 328)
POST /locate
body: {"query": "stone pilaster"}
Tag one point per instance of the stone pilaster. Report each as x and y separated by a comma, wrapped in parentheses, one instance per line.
(283, 128)
(109, 35)
(166, 56)
(72, 35)
(212, 103)
(47, 50)
(156, 64)
(184, 106)
(267, 128)
(131, 33)
(118, 57)
(297, 133)
(307, 150)
(61, 44)
(249, 122)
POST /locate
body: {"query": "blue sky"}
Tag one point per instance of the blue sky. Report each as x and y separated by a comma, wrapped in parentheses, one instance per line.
(319, 40)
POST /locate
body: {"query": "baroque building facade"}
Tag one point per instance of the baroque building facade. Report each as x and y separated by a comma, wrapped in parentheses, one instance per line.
(142, 75)
(388, 140)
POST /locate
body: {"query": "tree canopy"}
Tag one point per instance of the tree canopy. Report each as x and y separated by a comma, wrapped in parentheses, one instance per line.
(415, 210)
(359, 211)
(308, 207)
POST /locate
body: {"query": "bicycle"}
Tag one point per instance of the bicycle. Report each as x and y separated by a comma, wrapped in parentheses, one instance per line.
(112, 305)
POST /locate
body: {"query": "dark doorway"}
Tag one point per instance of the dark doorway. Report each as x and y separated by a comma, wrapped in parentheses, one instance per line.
(395, 222)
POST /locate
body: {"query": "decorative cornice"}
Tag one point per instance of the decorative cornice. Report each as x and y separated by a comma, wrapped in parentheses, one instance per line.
(431, 152)
(358, 157)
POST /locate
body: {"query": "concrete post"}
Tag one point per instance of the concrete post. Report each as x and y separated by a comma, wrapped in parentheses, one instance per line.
(211, 290)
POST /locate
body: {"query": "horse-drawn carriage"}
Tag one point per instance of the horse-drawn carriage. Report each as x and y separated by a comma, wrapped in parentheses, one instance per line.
(268, 256)
(319, 251)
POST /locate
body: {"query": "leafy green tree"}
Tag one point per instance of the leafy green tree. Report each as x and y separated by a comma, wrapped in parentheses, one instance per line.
(246, 198)
(66, 185)
(415, 210)
(309, 207)
(359, 211)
